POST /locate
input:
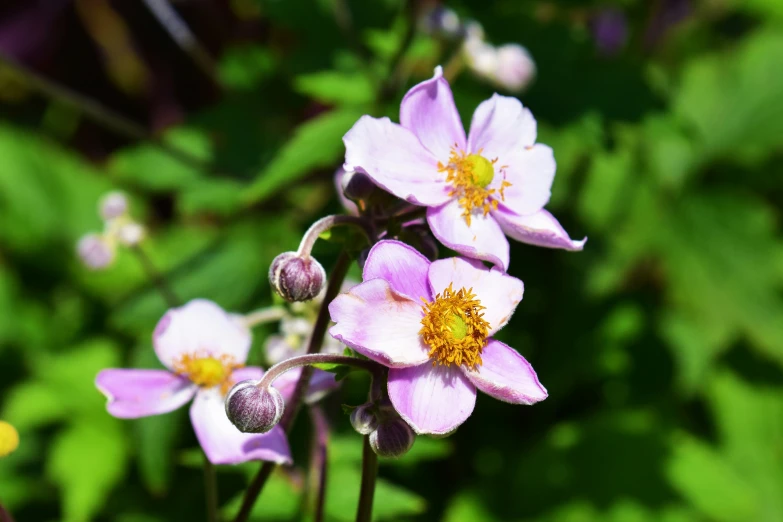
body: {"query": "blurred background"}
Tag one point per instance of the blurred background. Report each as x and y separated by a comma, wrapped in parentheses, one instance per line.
(661, 344)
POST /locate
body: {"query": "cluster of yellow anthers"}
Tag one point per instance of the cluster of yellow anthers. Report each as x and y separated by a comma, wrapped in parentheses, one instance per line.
(9, 439)
(454, 328)
(207, 370)
(469, 176)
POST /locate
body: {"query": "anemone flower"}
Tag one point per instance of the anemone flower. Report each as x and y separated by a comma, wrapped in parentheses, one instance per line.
(432, 325)
(477, 189)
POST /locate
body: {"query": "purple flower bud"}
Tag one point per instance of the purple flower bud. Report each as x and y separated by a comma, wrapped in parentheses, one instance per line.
(295, 278)
(442, 21)
(94, 251)
(392, 439)
(363, 419)
(113, 205)
(254, 410)
(357, 185)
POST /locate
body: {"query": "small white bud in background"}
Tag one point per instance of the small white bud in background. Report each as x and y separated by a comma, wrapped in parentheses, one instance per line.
(130, 234)
(515, 67)
(113, 205)
(95, 251)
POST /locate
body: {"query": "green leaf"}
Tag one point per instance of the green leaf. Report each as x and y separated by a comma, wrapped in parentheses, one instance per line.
(317, 143)
(245, 67)
(707, 480)
(336, 87)
(86, 461)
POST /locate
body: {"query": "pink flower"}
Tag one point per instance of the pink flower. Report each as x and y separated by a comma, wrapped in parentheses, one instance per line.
(477, 189)
(432, 325)
(204, 349)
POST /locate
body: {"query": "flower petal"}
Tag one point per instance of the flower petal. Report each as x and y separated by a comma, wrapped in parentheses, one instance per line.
(140, 393)
(428, 110)
(321, 383)
(402, 266)
(200, 328)
(506, 375)
(482, 240)
(540, 228)
(347, 204)
(224, 443)
(380, 323)
(394, 158)
(531, 172)
(498, 292)
(501, 125)
(432, 399)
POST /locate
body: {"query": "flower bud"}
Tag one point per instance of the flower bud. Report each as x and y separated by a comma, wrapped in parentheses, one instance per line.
(113, 205)
(363, 419)
(130, 234)
(295, 278)
(94, 251)
(252, 409)
(442, 21)
(9, 439)
(392, 439)
(357, 185)
(515, 67)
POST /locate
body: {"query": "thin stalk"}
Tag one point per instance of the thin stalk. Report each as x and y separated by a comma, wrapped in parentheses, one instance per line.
(307, 360)
(326, 223)
(98, 112)
(171, 299)
(316, 341)
(156, 277)
(264, 315)
(369, 474)
(210, 489)
(320, 460)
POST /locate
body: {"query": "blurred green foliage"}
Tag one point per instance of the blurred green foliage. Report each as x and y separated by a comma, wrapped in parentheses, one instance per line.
(661, 344)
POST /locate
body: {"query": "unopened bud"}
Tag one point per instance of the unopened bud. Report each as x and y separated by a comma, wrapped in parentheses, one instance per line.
(95, 252)
(363, 419)
(392, 439)
(515, 68)
(357, 185)
(252, 409)
(9, 439)
(113, 205)
(130, 234)
(295, 278)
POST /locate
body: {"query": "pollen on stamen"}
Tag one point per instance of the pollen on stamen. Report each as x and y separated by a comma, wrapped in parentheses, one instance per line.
(454, 328)
(207, 371)
(469, 176)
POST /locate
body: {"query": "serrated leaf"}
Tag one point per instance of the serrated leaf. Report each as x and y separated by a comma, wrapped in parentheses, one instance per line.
(317, 143)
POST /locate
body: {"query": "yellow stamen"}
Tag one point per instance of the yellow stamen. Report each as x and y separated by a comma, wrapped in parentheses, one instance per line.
(9, 439)
(469, 176)
(207, 371)
(454, 328)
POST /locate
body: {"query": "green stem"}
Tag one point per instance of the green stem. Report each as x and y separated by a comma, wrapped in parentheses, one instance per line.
(369, 474)
(320, 459)
(210, 489)
(316, 341)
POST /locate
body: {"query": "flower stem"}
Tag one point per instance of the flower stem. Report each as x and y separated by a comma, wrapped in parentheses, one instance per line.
(157, 278)
(320, 459)
(210, 488)
(317, 358)
(369, 473)
(324, 224)
(264, 315)
(316, 340)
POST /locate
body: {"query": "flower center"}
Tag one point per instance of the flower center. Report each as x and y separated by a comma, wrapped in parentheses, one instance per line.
(454, 328)
(207, 371)
(469, 176)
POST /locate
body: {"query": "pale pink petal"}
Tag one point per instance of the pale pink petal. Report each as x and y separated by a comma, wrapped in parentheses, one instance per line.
(140, 393)
(432, 399)
(506, 375)
(498, 292)
(540, 228)
(531, 172)
(482, 240)
(321, 383)
(200, 328)
(379, 323)
(394, 158)
(501, 125)
(224, 443)
(347, 204)
(428, 110)
(402, 266)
